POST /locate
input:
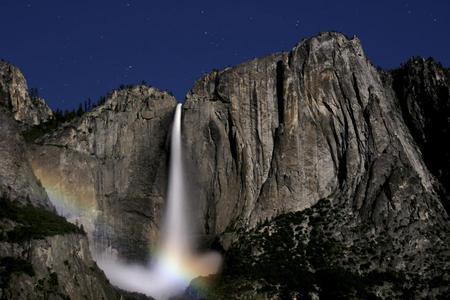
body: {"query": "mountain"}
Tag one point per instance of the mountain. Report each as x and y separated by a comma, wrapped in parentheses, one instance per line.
(14, 96)
(107, 169)
(288, 130)
(42, 256)
(423, 90)
(316, 174)
(316, 166)
(17, 180)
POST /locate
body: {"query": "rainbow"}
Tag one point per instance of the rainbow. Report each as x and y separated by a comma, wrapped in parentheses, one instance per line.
(74, 197)
(187, 268)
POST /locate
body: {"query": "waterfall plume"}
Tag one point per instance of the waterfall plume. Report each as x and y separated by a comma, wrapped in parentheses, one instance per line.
(175, 263)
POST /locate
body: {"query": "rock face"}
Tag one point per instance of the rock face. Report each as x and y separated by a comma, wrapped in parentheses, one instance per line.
(55, 267)
(276, 135)
(42, 256)
(312, 155)
(280, 133)
(17, 180)
(14, 97)
(423, 89)
(107, 170)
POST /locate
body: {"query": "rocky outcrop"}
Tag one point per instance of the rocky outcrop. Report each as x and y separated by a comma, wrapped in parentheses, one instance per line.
(17, 180)
(14, 97)
(267, 143)
(280, 133)
(423, 89)
(42, 256)
(107, 170)
(55, 267)
(276, 135)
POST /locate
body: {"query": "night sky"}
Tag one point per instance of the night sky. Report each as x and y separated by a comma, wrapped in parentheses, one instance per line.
(72, 50)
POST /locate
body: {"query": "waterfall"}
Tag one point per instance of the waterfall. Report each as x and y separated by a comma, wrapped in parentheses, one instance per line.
(175, 233)
(175, 263)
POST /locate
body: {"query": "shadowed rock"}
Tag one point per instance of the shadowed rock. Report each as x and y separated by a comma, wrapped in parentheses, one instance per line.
(108, 169)
(423, 90)
(17, 180)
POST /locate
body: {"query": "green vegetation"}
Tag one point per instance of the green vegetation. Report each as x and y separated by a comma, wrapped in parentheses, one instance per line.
(11, 265)
(323, 251)
(38, 131)
(34, 223)
(61, 117)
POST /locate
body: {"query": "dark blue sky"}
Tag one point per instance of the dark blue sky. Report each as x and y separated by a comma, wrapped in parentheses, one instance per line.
(72, 50)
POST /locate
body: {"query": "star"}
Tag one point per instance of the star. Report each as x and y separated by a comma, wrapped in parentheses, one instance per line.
(215, 44)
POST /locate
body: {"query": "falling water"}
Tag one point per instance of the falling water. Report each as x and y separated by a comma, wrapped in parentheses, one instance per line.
(175, 233)
(175, 263)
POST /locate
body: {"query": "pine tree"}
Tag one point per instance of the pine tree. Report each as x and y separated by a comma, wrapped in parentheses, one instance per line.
(80, 110)
(34, 93)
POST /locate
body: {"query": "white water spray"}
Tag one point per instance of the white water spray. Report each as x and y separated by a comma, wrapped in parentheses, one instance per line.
(175, 234)
(175, 263)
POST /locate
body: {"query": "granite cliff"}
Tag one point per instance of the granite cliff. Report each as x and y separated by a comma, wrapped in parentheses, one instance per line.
(280, 133)
(14, 96)
(423, 90)
(315, 164)
(42, 256)
(107, 169)
(317, 174)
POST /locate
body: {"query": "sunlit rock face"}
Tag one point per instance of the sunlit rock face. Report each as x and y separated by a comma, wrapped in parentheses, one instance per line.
(278, 134)
(15, 98)
(108, 169)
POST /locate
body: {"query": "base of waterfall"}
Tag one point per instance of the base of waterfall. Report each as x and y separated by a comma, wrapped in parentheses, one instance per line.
(169, 275)
(174, 265)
